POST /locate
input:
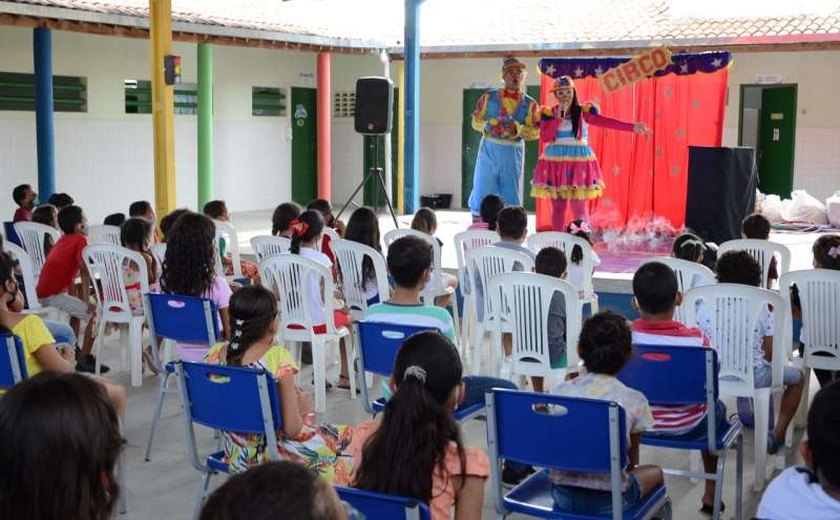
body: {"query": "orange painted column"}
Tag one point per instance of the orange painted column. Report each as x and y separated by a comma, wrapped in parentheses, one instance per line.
(324, 127)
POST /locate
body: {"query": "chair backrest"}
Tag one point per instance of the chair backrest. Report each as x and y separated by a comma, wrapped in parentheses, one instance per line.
(235, 399)
(689, 274)
(159, 252)
(289, 276)
(466, 240)
(182, 318)
(379, 343)
(31, 235)
(350, 257)
(106, 263)
(226, 231)
(673, 375)
(12, 361)
(763, 251)
(333, 234)
(484, 263)
(819, 297)
(379, 505)
(529, 297)
(575, 434)
(104, 234)
(268, 245)
(734, 311)
(566, 243)
(27, 272)
(395, 234)
(9, 231)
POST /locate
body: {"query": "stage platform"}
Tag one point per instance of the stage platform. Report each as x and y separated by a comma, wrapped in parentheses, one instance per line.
(620, 254)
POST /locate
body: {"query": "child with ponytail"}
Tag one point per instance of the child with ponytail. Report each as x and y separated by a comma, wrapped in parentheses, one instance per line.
(416, 448)
(253, 314)
(580, 229)
(307, 233)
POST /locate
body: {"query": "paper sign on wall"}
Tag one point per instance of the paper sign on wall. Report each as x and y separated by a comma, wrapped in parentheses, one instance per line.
(636, 69)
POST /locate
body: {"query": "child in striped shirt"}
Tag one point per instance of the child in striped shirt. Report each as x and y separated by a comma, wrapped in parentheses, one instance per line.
(656, 297)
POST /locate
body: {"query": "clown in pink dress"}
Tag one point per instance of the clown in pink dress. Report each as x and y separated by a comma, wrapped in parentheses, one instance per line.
(567, 172)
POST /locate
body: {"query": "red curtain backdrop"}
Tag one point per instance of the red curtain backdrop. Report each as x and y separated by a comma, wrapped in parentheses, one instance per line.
(648, 177)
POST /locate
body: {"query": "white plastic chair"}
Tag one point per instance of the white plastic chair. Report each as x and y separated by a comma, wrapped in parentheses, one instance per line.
(734, 310)
(268, 245)
(464, 241)
(763, 251)
(105, 264)
(483, 263)
(438, 288)
(819, 297)
(31, 236)
(566, 243)
(330, 232)
(350, 257)
(528, 296)
(226, 231)
(689, 275)
(159, 252)
(104, 234)
(289, 275)
(29, 283)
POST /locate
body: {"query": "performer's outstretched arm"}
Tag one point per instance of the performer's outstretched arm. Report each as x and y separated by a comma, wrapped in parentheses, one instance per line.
(479, 115)
(596, 119)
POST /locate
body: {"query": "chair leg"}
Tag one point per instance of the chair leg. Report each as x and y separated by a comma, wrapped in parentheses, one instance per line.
(739, 479)
(318, 362)
(350, 358)
(202, 494)
(802, 412)
(135, 333)
(456, 318)
(721, 464)
(761, 406)
(156, 419)
(97, 344)
(695, 465)
(124, 352)
(478, 346)
(466, 326)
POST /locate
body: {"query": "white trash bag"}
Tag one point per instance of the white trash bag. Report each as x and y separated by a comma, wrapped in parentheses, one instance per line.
(804, 208)
(832, 206)
(771, 207)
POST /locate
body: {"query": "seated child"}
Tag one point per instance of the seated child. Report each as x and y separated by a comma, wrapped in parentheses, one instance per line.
(115, 219)
(425, 220)
(47, 215)
(363, 227)
(811, 491)
(58, 280)
(135, 234)
(217, 210)
(605, 347)
(416, 448)
(168, 221)
(740, 267)
(253, 312)
(552, 262)
(279, 489)
(324, 207)
(283, 215)
(656, 297)
(756, 226)
(489, 210)
(142, 209)
(580, 228)
(25, 197)
(61, 200)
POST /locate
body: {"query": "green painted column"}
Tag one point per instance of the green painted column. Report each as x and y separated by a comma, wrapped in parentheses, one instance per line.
(205, 123)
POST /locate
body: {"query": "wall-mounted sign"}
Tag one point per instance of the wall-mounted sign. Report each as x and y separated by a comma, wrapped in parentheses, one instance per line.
(768, 79)
(306, 79)
(640, 67)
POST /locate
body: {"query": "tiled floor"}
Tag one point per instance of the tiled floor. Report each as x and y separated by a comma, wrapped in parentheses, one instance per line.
(165, 487)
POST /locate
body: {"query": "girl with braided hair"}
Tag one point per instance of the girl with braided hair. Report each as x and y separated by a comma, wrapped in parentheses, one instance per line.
(416, 448)
(253, 312)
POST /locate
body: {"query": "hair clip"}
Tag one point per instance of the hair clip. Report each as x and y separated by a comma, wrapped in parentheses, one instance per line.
(298, 227)
(583, 227)
(234, 345)
(418, 373)
(237, 333)
(239, 323)
(834, 252)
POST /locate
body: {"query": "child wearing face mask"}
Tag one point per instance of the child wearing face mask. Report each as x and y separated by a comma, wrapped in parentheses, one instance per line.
(56, 285)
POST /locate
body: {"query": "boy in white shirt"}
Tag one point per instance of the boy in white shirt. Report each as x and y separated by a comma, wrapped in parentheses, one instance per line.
(811, 492)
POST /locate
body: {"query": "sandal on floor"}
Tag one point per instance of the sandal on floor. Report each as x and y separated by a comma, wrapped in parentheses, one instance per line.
(327, 384)
(708, 509)
(344, 384)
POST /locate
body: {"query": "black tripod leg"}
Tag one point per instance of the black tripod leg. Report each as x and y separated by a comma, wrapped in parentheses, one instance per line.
(353, 196)
(387, 196)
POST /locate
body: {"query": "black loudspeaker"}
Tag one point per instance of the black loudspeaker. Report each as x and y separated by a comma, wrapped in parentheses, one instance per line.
(374, 105)
(721, 191)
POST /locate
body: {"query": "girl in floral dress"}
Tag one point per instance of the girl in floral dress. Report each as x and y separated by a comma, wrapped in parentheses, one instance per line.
(253, 313)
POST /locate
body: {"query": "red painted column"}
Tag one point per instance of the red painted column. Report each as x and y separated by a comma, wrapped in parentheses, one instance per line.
(324, 127)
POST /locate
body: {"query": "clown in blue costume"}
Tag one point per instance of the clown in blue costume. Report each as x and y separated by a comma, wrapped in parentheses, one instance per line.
(506, 117)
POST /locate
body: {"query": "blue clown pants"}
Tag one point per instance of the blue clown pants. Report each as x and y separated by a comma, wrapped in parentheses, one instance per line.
(498, 170)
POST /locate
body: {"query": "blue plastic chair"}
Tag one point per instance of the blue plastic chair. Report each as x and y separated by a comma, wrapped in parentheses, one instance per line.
(378, 347)
(12, 362)
(580, 435)
(238, 399)
(177, 318)
(682, 376)
(379, 505)
(11, 234)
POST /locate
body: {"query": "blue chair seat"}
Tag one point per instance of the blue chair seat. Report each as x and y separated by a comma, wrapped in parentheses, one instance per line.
(533, 497)
(460, 414)
(726, 434)
(217, 462)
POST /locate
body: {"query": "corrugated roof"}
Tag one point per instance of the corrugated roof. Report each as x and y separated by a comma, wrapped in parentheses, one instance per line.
(448, 25)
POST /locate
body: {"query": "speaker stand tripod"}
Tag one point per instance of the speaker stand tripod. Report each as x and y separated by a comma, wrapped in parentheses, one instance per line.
(374, 172)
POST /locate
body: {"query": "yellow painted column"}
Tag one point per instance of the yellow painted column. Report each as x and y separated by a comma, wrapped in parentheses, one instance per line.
(401, 140)
(160, 34)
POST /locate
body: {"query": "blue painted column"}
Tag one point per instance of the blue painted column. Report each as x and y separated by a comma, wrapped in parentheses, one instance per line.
(412, 106)
(44, 125)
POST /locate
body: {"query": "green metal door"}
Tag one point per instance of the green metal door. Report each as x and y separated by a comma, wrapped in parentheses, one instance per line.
(777, 139)
(368, 142)
(470, 141)
(304, 145)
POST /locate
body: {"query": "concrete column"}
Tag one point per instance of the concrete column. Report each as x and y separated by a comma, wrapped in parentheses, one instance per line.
(324, 127)
(412, 106)
(163, 107)
(44, 120)
(205, 124)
